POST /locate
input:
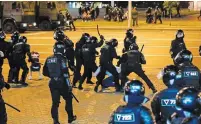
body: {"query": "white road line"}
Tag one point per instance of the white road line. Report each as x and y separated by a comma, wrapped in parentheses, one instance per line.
(35, 33)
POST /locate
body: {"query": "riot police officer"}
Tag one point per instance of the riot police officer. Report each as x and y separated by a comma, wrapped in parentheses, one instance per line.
(131, 62)
(14, 40)
(59, 36)
(20, 50)
(189, 74)
(177, 44)
(56, 69)
(89, 56)
(3, 114)
(188, 105)
(108, 53)
(78, 57)
(133, 112)
(163, 103)
(129, 39)
(3, 49)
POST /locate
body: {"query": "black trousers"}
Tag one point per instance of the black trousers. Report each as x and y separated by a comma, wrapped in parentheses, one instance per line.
(3, 114)
(89, 67)
(11, 65)
(1, 64)
(126, 70)
(111, 68)
(21, 64)
(56, 93)
(77, 74)
(158, 17)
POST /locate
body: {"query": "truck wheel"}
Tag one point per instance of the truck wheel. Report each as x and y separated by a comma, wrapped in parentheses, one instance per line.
(9, 27)
(45, 25)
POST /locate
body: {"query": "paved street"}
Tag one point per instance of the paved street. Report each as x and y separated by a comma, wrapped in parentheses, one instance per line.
(34, 101)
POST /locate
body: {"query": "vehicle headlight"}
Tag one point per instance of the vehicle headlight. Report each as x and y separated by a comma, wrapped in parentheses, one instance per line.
(58, 22)
(34, 24)
(24, 24)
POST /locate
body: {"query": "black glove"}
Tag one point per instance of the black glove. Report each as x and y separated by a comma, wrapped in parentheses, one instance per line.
(118, 57)
(7, 86)
(30, 60)
(102, 37)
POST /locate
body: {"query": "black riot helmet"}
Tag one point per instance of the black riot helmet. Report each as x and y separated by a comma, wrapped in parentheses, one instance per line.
(59, 48)
(59, 35)
(180, 34)
(189, 99)
(113, 42)
(133, 46)
(94, 39)
(183, 56)
(15, 36)
(23, 39)
(134, 88)
(2, 35)
(85, 36)
(129, 33)
(169, 75)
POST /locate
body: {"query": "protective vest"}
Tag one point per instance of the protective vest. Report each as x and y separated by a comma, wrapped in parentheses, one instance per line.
(133, 58)
(86, 52)
(127, 115)
(189, 75)
(54, 67)
(167, 102)
(105, 54)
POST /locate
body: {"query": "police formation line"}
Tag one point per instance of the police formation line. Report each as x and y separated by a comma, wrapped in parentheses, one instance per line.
(179, 103)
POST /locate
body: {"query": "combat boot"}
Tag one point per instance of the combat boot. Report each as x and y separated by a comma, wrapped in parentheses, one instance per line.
(96, 88)
(23, 79)
(72, 119)
(55, 121)
(80, 87)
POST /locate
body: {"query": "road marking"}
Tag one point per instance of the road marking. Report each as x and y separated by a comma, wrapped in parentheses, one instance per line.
(35, 33)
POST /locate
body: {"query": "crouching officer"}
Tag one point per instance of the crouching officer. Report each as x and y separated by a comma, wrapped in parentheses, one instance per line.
(89, 56)
(133, 112)
(131, 62)
(20, 50)
(108, 53)
(129, 39)
(55, 68)
(189, 74)
(177, 44)
(163, 103)
(188, 105)
(3, 114)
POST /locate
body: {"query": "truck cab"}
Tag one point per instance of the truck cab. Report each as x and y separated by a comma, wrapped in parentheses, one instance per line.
(13, 17)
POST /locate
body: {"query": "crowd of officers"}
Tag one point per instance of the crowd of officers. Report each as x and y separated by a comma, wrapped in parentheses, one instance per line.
(179, 103)
(87, 13)
(114, 13)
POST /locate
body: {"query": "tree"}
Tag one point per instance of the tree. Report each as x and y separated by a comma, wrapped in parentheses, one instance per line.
(170, 4)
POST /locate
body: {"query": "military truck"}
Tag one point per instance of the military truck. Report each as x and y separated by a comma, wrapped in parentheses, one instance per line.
(22, 15)
(12, 17)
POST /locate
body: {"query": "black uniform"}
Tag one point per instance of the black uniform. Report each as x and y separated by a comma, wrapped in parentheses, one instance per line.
(128, 41)
(55, 68)
(189, 75)
(19, 55)
(177, 45)
(108, 52)
(3, 114)
(3, 47)
(163, 104)
(70, 52)
(131, 62)
(89, 57)
(79, 59)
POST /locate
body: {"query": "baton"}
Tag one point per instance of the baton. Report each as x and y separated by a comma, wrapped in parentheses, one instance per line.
(142, 48)
(98, 31)
(12, 106)
(75, 97)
